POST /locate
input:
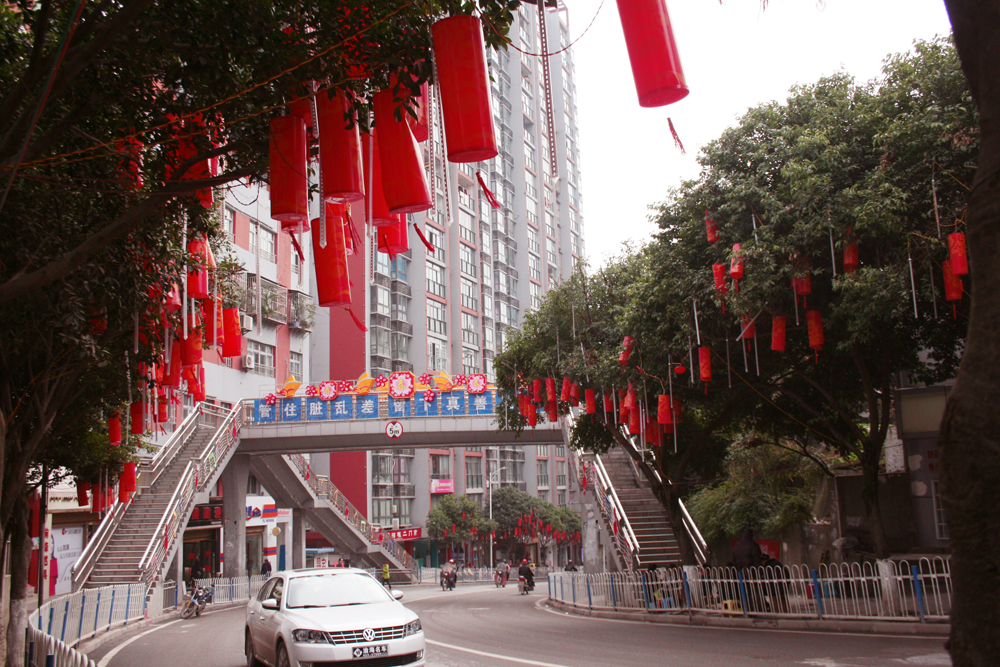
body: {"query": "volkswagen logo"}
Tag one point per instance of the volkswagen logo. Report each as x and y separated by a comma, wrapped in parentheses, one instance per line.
(368, 634)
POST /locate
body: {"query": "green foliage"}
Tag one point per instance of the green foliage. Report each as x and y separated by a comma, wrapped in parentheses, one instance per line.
(511, 504)
(767, 490)
(452, 520)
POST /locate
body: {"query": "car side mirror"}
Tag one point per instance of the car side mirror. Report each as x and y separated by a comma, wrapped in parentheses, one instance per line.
(269, 603)
(397, 594)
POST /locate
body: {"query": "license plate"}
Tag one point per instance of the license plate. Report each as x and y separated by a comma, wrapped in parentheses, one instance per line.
(361, 652)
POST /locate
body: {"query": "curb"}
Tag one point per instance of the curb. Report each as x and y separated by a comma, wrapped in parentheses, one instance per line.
(901, 628)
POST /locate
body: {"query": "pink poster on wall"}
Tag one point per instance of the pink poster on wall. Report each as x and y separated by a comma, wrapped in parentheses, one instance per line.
(442, 486)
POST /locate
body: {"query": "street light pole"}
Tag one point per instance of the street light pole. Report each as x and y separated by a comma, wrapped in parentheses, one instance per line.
(489, 493)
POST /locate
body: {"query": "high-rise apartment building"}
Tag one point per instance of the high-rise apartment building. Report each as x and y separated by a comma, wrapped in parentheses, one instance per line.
(449, 309)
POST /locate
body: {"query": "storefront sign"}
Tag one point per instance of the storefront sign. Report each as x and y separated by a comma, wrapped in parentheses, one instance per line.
(405, 534)
(442, 486)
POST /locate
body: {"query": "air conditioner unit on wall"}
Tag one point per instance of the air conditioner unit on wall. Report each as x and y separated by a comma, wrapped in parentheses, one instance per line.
(395, 524)
(248, 362)
(247, 324)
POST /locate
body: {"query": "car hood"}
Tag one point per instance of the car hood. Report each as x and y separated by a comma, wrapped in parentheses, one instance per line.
(351, 617)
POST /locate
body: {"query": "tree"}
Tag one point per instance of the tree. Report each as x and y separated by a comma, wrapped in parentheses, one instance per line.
(456, 521)
(521, 518)
(970, 452)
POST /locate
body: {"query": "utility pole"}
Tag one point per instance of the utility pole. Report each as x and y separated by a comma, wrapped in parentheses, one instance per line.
(489, 493)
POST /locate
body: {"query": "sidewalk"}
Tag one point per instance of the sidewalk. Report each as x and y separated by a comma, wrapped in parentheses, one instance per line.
(902, 628)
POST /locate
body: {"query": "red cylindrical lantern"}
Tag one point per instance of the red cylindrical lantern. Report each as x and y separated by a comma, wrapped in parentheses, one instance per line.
(952, 283)
(550, 389)
(634, 423)
(191, 347)
(198, 388)
(609, 402)
(564, 392)
(588, 396)
(393, 240)
(136, 412)
(656, 64)
(574, 394)
(677, 411)
(213, 322)
(522, 404)
(778, 333)
(197, 279)
(127, 482)
(736, 266)
(232, 342)
(802, 284)
(348, 240)
(419, 125)
(172, 378)
(958, 257)
(333, 280)
(532, 415)
(711, 228)
(749, 328)
(403, 182)
(289, 201)
(161, 410)
(719, 272)
(114, 430)
(339, 149)
(302, 108)
(98, 499)
(373, 184)
(705, 363)
(851, 257)
(465, 88)
(536, 387)
(174, 302)
(553, 411)
(82, 497)
(814, 322)
(663, 413)
(653, 433)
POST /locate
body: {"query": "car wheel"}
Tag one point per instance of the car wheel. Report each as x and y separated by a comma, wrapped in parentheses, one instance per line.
(282, 656)
(252, 660)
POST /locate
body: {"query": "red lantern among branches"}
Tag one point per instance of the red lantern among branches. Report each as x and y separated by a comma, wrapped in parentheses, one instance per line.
(339, 149)
(705, 363)
(288, 175)
(778, 333)
(814, 322)
(588, 396)
(957, 254)
(333, 281)
(403, 182)
(711, 228)
(652, 51)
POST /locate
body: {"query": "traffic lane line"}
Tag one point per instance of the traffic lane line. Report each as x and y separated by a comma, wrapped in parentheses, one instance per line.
(106, 660)
(496, 656)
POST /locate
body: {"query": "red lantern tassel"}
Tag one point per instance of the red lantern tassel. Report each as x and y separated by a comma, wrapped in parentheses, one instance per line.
(356, 320)
(490, 197)
(677, 139)
(298, 248)
(423, 239)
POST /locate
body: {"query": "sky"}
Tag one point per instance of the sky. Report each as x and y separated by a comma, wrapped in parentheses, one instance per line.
(735, 56)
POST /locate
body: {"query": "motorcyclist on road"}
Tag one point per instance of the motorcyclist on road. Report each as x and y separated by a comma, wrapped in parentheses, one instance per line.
(525, 571)
(449, 571)
(503, 570)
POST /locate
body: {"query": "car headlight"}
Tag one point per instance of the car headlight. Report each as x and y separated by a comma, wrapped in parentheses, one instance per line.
(412, 628)
(310, 637)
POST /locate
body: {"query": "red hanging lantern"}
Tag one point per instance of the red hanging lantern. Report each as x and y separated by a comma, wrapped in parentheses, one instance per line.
(232, 341)
(114, 430)
(97, 505)
(958, 257)
(850, 252)
(814, 322)
(161, 410)
(172, 378)
(953, 287)
(333, 280)
(522, 404)
(634, 422)
(289, 199)
(532, 416)
(652, 51)
(403, 182)
(373, 184)
(553, 411)
(574, 394)
(186, 149)
(711, 228)
(420, 125)
(654, 436)
(465, 88)
(394, 240)
(736, 266)
(82, 497)
(301, 107)
(749, 328)
(623, 356)
(719, 272)
(663, 413)
(588, 397)
(197, 278)
(191, 347)
(198, 390)
(550, 389)
(802, 283)
(609, 402)
(564, 392)
(127, 482)
(705, 363)
(778, 333)
(137, 411)
(339, 149)
(174, 302)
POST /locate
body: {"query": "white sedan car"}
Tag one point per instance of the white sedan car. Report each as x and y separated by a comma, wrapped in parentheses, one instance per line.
(330, 616)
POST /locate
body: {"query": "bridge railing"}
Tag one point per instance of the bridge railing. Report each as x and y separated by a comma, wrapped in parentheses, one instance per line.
(323, 487)
(920, 591)
(611, 508)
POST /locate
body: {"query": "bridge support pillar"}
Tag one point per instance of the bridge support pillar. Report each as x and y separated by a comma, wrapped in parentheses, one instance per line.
(298, 538)
(234, 516)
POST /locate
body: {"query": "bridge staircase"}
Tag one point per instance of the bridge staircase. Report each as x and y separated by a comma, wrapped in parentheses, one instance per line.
(292, 484)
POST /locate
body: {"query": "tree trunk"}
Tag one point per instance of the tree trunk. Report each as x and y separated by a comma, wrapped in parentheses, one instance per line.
(873, 508)
(970, 447)
(20, 555)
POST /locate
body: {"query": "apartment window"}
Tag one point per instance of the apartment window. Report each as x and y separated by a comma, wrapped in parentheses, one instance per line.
(522, 30)
(470, 361)
(382, 469)
(529, 187)
(401, 470)
(561, 498)
(254, 228)
(561, 451)
(526, 84)
(542, 468)
(464, 198)
(561, 473)
(437, 355)
(231, 224)
(263, 357)
(435, 279)
(440, 466)
(380, 300)
(510, 255)
(473, 473)
(468, 260)
(382, 511)
(536, 295)
(470, 329)
(487, 275)
(550, 224)
(400, 307)
(400, 267)
(489, 337)
(400, 347)
(469, 292)
(511, 284)
(532, 217)
(295, 364)
(382, 263)
(269, 249)
(296, 263)
(543, 451)
(574, 244)
(533, 243)
(529, 157)
(437, 320)
(552, 256)
(436, 239)
(487, 304)
(467, 226)
(380, 341)
(534, 268)
(485, 243)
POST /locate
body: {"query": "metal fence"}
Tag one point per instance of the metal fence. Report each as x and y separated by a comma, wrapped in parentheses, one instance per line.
(885, 590)
(475, 575)
(235, 589)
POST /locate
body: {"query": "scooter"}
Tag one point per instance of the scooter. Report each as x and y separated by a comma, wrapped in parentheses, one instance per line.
(448, 580)
(500, 579)
(197, 601)
(522, 585)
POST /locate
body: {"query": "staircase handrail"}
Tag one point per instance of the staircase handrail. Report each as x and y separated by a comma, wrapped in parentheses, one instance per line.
(84, 565)
(690, 527)
(630, 548)
(323, 487)
(166, 453)
(166, 530)
(219, 445)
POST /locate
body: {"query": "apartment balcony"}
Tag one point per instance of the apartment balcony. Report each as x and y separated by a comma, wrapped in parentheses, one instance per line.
(379, 361)
(301, 310)
(405, 328)
(400, 287)
(382, 280)
(399, 366)
(379, 320)
(514, 302)
(274, 301)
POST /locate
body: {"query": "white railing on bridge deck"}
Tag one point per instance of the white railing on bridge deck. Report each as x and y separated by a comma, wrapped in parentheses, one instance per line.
(885, 590)
(323, 487)
(611, 508)
(197, 472)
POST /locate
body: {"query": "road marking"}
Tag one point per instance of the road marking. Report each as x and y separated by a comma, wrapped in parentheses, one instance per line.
(113, 652)
(484, 654)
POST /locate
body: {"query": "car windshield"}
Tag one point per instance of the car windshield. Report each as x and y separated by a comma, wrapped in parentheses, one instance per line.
(334, 590)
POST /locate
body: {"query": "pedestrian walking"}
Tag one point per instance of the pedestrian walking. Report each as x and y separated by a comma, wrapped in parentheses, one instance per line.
(385, 575)
(265, 569)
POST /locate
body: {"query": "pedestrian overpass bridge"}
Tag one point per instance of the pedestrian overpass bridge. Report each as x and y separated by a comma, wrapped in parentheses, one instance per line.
(139, 540)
